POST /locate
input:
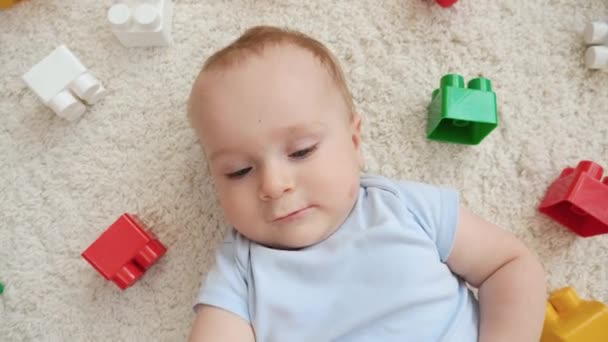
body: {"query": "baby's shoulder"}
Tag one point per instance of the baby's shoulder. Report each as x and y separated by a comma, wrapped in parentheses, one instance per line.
(408, 191)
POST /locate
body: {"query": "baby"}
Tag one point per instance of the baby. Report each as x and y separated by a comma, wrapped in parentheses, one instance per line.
(320, 252)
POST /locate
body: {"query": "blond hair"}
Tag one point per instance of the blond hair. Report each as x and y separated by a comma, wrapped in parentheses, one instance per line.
(255, 39)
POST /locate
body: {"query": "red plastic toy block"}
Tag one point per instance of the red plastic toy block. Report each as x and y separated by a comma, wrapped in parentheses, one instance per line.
(578, 199)
(446, 3)
(124, 251)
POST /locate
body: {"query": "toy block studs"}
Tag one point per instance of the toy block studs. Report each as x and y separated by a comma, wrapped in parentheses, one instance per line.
(61, 82)
(596, 35)
(596, 57)
(570, 319)
(446, 3)
(462, 115)
(124, 251)
(578, 199)
(142, 22)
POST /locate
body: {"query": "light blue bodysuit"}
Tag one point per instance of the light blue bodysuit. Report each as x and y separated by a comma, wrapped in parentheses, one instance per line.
(381, 276)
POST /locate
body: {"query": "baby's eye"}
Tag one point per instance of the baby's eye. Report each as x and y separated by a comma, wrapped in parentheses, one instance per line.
(238, 174)
(303, 153)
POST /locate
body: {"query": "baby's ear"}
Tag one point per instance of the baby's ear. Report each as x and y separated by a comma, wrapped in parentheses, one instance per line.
(356, 138)
(356, 122)
(356, 130)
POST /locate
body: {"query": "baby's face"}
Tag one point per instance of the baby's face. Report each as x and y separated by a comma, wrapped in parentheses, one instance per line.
(282, 146)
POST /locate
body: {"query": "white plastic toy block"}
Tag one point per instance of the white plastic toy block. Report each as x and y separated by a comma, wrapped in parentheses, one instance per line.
(59, 79)
(596, 33)
(142, 22)
(596, 57)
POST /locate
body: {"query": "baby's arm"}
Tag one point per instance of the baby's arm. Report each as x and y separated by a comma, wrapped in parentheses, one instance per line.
(510, 279)
(214, 324)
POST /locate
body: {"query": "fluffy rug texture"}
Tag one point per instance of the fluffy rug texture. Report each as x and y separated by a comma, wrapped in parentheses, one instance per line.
(62, 183)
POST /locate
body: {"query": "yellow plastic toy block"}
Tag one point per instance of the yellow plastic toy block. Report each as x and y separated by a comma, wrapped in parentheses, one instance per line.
(570, 319)
(7, 3)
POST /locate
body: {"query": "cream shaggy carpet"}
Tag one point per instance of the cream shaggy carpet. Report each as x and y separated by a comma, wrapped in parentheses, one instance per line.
(63, 183)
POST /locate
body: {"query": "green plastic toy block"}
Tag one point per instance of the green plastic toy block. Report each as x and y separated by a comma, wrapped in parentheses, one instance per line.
(1, 288)
(462, 115)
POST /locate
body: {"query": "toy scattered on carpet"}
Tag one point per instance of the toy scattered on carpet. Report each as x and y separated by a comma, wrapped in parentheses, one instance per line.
(125, 251)
(570, 319)
(578, 199)
(61, 81)
(138, 23)
(1, 288)
(7, 3)
(462, 115)
(596, 35)
(446, 3)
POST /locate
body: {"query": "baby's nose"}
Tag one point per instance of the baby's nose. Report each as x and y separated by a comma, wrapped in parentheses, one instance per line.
(274, 183)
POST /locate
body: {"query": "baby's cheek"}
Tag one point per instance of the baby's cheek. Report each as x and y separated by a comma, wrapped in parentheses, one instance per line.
(229, 206)
(353, 191)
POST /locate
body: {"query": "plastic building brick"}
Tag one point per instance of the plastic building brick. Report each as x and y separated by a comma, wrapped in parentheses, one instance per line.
(1, 288)
(59, 79)
(596, 57)
(596, 33)
(446, 3)
(124, 251)
(7, 3)
(142, 22)
(570, 319)
(578, 199)
(462, 115)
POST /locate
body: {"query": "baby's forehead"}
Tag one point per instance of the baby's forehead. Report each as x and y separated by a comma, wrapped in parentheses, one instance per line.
(278, 64)
(281, 72)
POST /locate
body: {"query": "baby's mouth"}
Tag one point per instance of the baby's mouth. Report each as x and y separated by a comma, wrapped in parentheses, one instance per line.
(292, 215)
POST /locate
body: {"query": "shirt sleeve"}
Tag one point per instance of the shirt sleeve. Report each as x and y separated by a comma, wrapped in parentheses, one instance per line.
(225, 286)
(436, 211)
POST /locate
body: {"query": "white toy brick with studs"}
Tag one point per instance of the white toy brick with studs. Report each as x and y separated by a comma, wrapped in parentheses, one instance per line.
(596, 35)
(138, 23)
(61, 81)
